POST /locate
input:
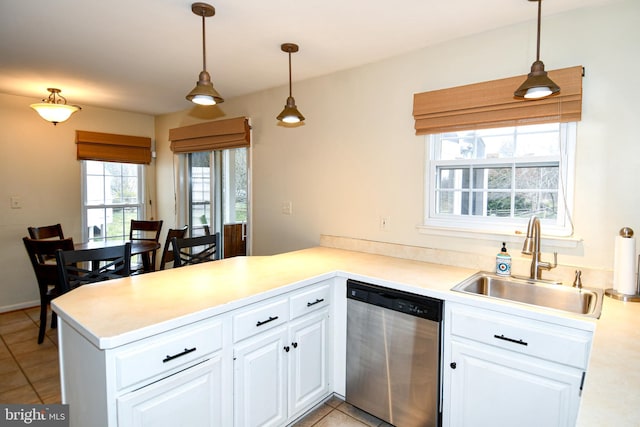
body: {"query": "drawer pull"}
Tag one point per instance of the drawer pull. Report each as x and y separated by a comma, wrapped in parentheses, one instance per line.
(317, 301)
(175, 356)
(502, 337)
(270, 319)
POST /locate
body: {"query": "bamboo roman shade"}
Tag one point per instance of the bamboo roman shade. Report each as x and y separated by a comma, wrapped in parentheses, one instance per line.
(492, 105)
(108, 147)
(210, 136)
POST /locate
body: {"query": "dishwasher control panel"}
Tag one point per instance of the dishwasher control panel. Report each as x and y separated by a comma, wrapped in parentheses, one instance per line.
(403, 302)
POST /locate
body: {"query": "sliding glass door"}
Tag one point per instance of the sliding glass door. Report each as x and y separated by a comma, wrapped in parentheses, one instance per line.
(218, 197)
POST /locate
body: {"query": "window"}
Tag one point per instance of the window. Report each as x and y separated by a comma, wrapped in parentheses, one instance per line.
(112, 196)
(496, 179)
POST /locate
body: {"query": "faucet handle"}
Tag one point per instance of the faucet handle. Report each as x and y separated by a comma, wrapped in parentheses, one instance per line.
(555, 259)
(577, 282)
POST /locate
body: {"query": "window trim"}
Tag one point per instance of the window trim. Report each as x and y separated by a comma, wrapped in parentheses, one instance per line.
(454, 224)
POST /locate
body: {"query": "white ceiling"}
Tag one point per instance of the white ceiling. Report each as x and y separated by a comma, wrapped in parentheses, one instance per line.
(145, 55)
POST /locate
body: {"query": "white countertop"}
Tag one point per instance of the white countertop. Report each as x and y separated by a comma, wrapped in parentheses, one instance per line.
(121, 311)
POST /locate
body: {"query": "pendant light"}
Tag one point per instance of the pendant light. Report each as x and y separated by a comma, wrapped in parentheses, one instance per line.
(204, 92)
(54, 109)
(538, 84)
(290, 114)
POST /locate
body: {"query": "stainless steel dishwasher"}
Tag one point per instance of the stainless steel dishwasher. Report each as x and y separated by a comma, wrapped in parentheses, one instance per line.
(393, 354)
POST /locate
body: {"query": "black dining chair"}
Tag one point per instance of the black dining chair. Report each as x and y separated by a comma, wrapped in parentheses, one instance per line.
(167, 252)
(195, 250)
(145, 230)
(49, 285)
(85, 266)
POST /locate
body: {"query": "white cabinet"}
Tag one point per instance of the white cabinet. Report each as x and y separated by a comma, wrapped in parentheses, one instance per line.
(282, 370)
(308, 362)
(191, 398)
(506, 370)
(176, 378)
(259, 380)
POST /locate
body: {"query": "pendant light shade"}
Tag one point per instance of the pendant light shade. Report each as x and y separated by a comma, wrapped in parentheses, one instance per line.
(290, 114)
(204, 93)
(538, 84)
(54, 109)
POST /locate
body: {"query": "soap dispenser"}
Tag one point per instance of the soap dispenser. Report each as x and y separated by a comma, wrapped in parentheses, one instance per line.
(503, 262)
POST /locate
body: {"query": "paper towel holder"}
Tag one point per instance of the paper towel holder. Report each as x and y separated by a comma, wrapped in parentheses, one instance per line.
(627, 232)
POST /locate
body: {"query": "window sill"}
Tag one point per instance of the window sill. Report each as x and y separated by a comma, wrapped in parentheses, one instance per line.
(570, 242)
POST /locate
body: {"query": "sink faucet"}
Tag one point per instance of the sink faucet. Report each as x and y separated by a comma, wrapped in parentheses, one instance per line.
(531, 247)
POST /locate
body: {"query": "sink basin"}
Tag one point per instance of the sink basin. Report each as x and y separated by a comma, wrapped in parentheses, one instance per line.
(585, 301)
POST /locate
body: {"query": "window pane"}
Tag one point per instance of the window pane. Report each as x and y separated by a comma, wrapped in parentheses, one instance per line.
(130, 189)
(499, 204)
(544, 178)
(542, 204)
(453, 178)
(95, 190)
(497, 146)
(492, 178)
(446, 202)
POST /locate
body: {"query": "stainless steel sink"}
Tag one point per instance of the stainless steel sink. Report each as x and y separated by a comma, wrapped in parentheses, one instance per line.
(584, 301)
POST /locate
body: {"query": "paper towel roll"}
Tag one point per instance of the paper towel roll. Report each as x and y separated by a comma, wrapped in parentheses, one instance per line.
(624, 265)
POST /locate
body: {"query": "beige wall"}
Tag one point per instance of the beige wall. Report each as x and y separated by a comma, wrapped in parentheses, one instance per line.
(356, 158)
(38, 164)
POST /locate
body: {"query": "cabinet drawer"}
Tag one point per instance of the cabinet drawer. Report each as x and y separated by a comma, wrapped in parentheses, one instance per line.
(310, 300)
(170, 351)
(260, 317)
(539, 339)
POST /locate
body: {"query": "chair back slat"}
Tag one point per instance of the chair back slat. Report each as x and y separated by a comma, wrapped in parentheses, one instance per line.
(145, 230)
(46, 232)
(195, 250)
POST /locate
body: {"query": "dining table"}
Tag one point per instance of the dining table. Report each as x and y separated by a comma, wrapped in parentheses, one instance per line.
(138, 247)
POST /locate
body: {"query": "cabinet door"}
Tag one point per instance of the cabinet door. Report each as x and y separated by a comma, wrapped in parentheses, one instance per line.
(259, 379)
(494, 387)
(308, 370)
(190, 398)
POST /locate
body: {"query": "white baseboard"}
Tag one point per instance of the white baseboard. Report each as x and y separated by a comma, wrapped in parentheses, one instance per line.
(20, 306)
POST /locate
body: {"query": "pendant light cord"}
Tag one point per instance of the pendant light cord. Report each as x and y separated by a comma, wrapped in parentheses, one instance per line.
(539, 19)
(204, 45)
(290, 75)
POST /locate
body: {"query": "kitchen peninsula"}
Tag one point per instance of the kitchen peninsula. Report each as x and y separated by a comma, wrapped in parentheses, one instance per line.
(126, 317)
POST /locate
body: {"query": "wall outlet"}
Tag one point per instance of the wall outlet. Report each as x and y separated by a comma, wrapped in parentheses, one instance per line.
(385, 223)
(287, 208)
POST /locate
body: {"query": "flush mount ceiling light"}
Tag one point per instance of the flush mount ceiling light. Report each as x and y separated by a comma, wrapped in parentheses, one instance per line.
(290, 114)
(54, 109)
(538, 84)
(204, 92)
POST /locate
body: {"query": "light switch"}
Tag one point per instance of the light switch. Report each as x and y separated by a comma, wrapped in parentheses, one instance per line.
(287, 208)
(16, 202)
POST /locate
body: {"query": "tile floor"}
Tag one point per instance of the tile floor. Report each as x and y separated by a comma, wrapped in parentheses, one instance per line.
(335, 412)
(29, 373)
